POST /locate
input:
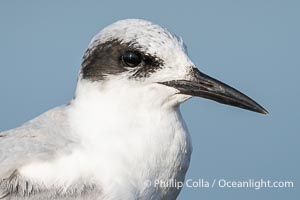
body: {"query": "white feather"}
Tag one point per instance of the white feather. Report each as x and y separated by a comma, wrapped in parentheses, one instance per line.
(130, 131)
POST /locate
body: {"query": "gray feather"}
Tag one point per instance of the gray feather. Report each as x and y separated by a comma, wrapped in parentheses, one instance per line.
(39, 139)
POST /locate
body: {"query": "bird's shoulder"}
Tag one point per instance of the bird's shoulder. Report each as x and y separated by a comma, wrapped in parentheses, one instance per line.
(39, 139)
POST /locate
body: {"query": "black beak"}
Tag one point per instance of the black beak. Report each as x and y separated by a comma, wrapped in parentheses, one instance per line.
(202, 85)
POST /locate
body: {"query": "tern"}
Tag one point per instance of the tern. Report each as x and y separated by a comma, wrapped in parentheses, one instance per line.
(122, 129)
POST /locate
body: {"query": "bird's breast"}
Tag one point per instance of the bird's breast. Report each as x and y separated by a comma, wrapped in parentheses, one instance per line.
(148, 149)
(121, 158)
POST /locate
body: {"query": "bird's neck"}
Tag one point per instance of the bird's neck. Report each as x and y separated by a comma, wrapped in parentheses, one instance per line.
(118, 108)
(122, 126)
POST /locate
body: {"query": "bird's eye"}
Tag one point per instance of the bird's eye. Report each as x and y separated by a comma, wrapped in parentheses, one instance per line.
(131, 59)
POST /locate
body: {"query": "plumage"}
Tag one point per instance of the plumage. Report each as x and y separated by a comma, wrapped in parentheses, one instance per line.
(123, 128)
(112, 137)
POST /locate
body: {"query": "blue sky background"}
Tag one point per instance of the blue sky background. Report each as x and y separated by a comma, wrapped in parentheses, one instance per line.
(251, 45)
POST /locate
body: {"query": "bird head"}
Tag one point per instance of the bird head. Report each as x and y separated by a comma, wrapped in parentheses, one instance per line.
(146, 60)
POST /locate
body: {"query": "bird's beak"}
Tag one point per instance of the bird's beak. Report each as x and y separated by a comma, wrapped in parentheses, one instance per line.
(202, 85)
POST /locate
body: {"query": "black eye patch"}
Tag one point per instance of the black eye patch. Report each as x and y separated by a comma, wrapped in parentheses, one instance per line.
(114, 57)
(151, 65)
